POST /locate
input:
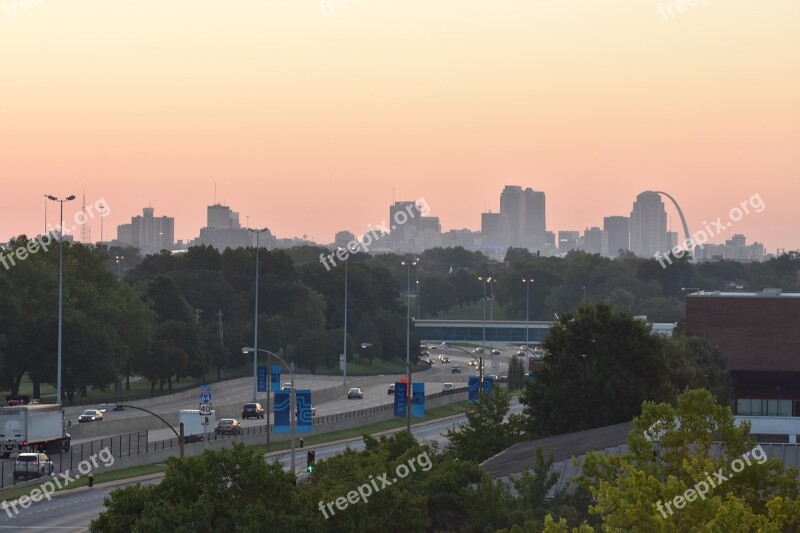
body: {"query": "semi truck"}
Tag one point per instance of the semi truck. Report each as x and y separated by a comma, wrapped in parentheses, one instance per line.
(195, 425)
(36, 428)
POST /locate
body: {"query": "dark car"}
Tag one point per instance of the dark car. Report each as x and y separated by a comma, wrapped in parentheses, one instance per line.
(91, 415)
(229, 426)
(252, 410)
(391, 389)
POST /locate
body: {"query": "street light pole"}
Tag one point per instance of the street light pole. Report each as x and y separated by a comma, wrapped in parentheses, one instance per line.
(408, 340)
(485, 281)
(527, 283)
(344, 341)
(119, 266)
(60, 285)
(292, 397)
(255, 342)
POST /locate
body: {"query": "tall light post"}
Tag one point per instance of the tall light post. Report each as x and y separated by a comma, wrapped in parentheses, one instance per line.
(479, 361)
(119, 259)
(491, 298)
(485, 282)
(292, 395)
(527, 283)
(416, 290)
(60, 283)
(408, 264)
(255, 336)
(344, 341)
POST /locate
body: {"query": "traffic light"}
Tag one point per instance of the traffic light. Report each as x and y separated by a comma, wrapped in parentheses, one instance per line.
(310, 461)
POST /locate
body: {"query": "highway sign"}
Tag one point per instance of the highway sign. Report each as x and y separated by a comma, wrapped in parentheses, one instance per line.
(205, 409)
(205, 388)
(205, 398)
(495, 366)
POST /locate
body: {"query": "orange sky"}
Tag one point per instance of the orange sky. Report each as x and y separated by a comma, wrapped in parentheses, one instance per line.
(307, 116)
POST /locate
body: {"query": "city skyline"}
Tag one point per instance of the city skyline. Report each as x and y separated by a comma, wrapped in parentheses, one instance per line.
(311, 125)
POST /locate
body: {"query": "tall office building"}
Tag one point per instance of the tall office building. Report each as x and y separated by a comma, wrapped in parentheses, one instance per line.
(148, 233)
(525, 211)
(619, 234)
(567, 241)
(512, 205)
(224, 231)
(495, 230)
(405, 225)
(595, 241)
(649, 225)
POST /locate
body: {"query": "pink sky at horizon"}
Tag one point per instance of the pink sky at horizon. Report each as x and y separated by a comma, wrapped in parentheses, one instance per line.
(307, 120)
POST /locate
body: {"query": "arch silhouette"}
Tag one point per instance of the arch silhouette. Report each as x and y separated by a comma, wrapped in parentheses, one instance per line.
(686, 239)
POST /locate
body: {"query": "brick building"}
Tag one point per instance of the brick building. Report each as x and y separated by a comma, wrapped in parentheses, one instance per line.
(760, 335)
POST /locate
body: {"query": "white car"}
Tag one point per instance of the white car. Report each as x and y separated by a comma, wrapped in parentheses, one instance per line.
(495, 351)
(448, 386)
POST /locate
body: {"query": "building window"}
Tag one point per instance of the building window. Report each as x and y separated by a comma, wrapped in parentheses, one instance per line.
(763, 407)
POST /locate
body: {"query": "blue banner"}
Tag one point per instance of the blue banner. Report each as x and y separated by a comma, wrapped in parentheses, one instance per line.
(418, 399)
(304, 417)
(275, 383)
(262, 379)
(487, 385)
(282, 411)
(400, 399)
(474, 384)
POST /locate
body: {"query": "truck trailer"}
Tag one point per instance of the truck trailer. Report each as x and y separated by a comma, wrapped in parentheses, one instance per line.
(194, 429)
(36, 427)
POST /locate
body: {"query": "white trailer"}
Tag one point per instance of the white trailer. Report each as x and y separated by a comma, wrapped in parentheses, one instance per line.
(37, 427)
(195, 425)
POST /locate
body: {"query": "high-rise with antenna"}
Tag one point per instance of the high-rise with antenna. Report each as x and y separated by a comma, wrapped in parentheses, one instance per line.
(86, 230)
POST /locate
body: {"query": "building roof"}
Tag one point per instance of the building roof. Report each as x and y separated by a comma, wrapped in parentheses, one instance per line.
(520, 457)
(766, 293)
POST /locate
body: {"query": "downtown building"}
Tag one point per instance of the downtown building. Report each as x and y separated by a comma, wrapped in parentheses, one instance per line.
(223, 230)
(148, 233)
(648, 226)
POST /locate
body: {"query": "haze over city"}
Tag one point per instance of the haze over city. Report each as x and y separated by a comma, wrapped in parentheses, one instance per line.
(309, 119)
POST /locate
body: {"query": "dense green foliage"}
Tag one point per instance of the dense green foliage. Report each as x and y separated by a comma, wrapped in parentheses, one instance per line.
(601, 364)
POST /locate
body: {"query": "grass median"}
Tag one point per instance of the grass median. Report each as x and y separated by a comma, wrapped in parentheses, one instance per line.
(445, 411)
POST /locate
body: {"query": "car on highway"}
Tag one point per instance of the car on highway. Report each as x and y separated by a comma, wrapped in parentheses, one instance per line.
(473, 363)
(423, 346)
(229, 426)
(29, 465)
(297, 410)
(91, 415)
(430, 361)
(355, 392)
(478, 350)
(447, 386)
(446, 359)
(425, 353)
(390, 390)
(287, 386)
(455, 369)
(503, 379)
(445, 344)
(495, 351)
(252, 410)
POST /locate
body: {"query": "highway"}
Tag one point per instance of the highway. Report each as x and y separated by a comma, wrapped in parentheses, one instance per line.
(73, 510)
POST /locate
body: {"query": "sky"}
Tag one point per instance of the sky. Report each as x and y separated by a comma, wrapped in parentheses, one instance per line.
(308, 117)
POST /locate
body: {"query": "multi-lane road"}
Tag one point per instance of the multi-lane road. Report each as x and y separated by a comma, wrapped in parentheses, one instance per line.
(73, 510)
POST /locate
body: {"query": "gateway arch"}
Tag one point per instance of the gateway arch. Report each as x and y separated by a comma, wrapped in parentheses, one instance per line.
(686, 239)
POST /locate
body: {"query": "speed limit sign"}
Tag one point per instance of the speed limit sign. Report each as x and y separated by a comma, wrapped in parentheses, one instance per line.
(205, 409)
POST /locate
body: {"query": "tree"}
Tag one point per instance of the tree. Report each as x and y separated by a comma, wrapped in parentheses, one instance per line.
(229, 490)
(436, 296)
(516, 373)
(599, 366)
(678, 452)
(485, 433)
